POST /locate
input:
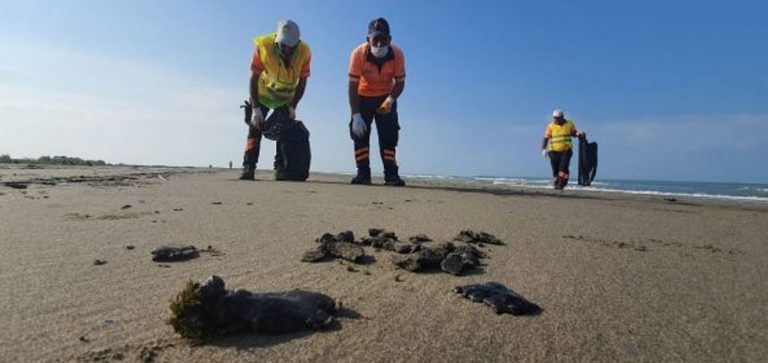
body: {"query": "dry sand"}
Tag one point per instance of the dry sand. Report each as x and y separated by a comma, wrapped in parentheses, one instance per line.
(620, 278)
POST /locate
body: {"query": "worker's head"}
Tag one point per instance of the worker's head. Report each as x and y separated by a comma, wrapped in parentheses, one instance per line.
(287, 38)
(378, 37)
(558, 115)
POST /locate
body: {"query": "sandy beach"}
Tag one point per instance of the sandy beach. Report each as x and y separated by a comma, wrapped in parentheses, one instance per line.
(619, 277)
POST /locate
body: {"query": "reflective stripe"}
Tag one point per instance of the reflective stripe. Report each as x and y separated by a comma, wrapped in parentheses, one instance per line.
(251, 143)
(389, 152)
(361, 157)
(361, 150)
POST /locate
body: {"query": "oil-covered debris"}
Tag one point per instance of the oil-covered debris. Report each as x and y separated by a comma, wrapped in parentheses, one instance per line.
(419, 238)
(330, 246)
(500, 298)
(175, 254)
(202, 312)
(386, 240)
(470, 236)
(444, 256)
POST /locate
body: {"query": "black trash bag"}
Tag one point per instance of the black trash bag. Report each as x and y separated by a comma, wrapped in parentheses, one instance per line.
(295, 151)
(248, 112)
(587, 161)
(295, 154)
(273, 125)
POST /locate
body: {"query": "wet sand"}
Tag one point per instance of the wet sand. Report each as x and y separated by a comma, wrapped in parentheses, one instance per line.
(619, 277)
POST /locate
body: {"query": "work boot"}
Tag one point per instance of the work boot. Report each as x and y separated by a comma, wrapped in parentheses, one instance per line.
(392, 178)
(363, 176)
(248, 174)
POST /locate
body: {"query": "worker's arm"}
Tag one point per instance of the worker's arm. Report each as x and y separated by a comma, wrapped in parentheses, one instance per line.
(544, 142)
(354, 98)
(254, 89)
(398, 89)
(299, 92)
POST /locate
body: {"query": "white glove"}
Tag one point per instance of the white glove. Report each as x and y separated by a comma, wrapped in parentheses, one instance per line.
(386, 106)
(257, 118)
(358, 125)
(291, 113)
(544, 153)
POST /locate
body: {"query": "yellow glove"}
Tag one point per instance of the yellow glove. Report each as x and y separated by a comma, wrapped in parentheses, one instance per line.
(386, 106)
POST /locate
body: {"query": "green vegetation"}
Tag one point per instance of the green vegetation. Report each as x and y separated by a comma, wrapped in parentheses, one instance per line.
(188, 313)
(48, 160)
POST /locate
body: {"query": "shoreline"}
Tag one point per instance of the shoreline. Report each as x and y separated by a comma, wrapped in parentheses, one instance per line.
(465, 184)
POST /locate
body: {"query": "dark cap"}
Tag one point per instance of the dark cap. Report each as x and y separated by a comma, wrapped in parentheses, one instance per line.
(378, 27)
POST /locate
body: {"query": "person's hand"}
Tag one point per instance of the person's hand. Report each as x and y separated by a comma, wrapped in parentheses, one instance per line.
(386, 106)
(358, 125)
(581, 134)
(544, 153)
(291, 113)
(257, 118)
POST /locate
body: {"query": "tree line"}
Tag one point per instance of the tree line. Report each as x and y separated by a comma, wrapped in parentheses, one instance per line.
(51, 160)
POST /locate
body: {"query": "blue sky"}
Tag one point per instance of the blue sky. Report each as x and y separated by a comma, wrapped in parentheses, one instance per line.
(672, 90)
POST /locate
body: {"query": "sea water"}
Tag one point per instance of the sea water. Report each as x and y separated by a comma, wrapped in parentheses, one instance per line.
(712, 190)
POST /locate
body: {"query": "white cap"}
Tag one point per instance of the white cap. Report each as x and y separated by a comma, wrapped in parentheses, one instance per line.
(287, 33)
(557, 113)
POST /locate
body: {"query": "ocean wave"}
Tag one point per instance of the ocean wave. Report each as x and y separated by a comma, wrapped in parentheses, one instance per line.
(429, 176)
(512, 181)
(695, 195)
(658, 193)
(615, 187)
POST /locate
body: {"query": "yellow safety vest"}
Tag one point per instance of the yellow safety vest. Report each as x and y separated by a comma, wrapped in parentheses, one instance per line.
(277, 83)
(560, 135)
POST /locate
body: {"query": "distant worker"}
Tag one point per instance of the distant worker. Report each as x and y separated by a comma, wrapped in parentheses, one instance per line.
(279, 72)
(376, 80)
(558, 135)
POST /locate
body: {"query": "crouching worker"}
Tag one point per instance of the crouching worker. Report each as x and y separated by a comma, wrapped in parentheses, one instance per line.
(376, 80)
(558, 135)
(279, 72)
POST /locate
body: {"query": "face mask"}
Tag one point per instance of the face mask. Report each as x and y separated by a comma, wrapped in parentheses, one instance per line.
(281, 53)
(379, 52)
